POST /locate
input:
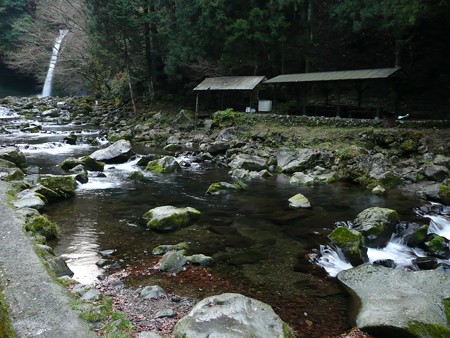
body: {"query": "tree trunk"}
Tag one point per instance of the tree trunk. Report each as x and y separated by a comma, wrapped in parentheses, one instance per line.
(148, 55)
(130, 84)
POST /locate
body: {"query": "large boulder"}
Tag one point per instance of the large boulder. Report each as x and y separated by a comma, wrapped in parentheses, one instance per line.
(248, 162)
(231, 315)
(117, 152)
(289, 161)
(168, 218)
(436, 173)
(221, 187)
(64, 186)
(399, 303)
(351, 242)
(377, 225)
(166, 164)
(13, 155)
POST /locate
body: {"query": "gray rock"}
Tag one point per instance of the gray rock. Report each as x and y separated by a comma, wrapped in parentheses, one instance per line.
(102, 262)
(289, 161)
(169, 218)
(248, 162)
(393, 298)
(59, 266)
(442, 160)
(172, 260)
(90, 295)
(214, 148)
(162, 249)
(13, 155)
(118, 152)
(148, 334)
(436, 173)
(301, 179)
(166, 164)
(33, 202)
(230, 315)
(165, 313)
(152, 292)
(377, 224)
(299, 201)
(200, 259)
(81, 289)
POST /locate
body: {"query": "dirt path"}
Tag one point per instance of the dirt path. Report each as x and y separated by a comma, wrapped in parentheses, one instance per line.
(38, 306)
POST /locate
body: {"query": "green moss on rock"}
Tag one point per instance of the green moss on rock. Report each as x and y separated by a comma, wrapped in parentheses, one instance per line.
(155, 167)
(351, 243)
(136, 176)
(64, 186)
(41, 225)
(91, 164)
(444, 194)
(6, 329)
(169, 218)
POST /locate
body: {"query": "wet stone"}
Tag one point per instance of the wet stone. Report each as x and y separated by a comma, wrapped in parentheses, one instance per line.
(165, 313)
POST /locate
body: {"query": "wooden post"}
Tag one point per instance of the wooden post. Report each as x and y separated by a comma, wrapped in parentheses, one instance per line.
(196, 110)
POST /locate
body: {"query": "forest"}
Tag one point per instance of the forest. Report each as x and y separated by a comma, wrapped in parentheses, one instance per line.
(148, 50)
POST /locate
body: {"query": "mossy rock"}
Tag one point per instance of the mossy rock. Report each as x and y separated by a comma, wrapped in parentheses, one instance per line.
(15, 174)
(377, 224)
(166, 164)
(419, 236)
(91, 164)
(6, 164)
(41, 225)
(437, 246)
(172, 260)
(169, 218)
(70, 163)
(220, 187)
(351, 152)
(351, 242)
(136, 176)
(162, 249)
(64, 186)
(444, 194)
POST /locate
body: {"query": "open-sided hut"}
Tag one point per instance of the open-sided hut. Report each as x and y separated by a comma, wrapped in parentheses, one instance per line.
(358, 79)
(227, 84)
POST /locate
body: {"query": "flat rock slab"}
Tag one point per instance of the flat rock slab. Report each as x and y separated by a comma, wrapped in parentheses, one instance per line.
(391, 298)
(230, 315)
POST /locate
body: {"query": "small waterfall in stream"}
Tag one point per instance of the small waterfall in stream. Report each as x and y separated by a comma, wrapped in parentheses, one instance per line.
(47, 90)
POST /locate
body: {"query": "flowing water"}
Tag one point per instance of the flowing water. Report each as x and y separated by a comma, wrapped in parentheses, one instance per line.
(260, 246)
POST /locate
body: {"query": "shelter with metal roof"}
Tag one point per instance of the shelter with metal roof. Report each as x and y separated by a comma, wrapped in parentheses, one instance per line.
(227, 84)
(359, 80)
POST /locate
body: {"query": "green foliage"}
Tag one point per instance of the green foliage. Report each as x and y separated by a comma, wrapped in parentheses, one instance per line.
(224, 118)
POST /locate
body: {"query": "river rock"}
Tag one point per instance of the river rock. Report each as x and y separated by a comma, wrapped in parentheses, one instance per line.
(169, 218)
(33, 202)
(117, 152)
(13, 155)
(396, 302)
(221, 187)
(70, 163)
(246, 175)
(152, 292)
(162, 249)
(289, 161)
(351, 242)
(81, 174)
(442, 160)
(231, 315)
(301, 179)
(214, 148)
(166, 164)
(299, 201)
(64, 186)
(436, 173)
(248, 162)
(437, 246)
(91, 164)
(148, 334)
(377, 224)
(200, 259)
(172, 261)
(59, 267)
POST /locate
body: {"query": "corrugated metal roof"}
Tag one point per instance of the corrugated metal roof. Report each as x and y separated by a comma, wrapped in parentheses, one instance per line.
(362, 74)
(230, 83)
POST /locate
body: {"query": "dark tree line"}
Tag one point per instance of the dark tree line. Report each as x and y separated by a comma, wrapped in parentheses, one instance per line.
(142, 49)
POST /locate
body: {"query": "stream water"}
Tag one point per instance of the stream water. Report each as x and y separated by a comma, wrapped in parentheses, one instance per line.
(260, 246)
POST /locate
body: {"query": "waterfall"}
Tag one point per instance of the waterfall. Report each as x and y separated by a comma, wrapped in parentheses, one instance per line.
(47, 90)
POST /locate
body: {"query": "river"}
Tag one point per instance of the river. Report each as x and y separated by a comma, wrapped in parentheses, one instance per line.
(259, 245)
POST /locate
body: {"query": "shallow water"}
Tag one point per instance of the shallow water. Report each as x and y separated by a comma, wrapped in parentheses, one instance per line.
(260, 246)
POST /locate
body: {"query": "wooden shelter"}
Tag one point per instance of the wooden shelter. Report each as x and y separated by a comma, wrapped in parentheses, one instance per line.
(356, 77)
(226, 84)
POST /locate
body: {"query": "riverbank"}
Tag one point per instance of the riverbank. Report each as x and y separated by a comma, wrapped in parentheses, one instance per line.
(252, 146)
(37, 305)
